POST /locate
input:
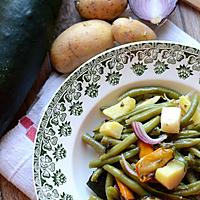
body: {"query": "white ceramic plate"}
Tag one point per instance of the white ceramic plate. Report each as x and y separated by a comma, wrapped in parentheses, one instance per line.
(60, 158)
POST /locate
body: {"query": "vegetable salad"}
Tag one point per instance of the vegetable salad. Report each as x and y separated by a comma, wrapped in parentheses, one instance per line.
(148, 146)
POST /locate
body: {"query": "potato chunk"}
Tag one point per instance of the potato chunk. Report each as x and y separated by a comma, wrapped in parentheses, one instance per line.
(112, 129)
(123, 107)
(171, 175)
(170, 119)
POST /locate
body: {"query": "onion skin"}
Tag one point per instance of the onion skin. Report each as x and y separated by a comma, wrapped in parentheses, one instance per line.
(142, 135)
(154, 11)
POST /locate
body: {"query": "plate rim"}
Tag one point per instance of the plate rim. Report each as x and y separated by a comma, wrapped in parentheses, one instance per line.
(197, 50)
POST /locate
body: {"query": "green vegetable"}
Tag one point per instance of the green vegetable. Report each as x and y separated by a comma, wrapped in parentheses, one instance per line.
(96, 174)
(99, 163)
(191, 189)
(108, 141)
(193, 107)
(117, 149)
(134, 186)
(112, 193)
(195, 152)
(146, 115)
(25, 33)
(93, 197)
(98, 136)
(109, 182)
(150, 90)
(151, 124)
(190, 176)
(197, 127)
(185, 143)
(188, 134)
(92, 142)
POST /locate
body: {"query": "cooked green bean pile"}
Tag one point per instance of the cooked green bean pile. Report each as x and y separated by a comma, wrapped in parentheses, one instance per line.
(148, 147)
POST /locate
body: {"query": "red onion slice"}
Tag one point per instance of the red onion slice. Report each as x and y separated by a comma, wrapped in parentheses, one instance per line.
(142, 135)
(152, 10)
(127, 167)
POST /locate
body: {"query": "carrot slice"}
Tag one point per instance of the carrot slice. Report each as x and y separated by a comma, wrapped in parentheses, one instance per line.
(125, 191)
(145, 149)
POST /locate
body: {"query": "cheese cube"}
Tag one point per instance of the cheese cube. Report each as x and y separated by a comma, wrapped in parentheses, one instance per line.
(170, 119)
(171, 175)
(112, 129)
(123, 107)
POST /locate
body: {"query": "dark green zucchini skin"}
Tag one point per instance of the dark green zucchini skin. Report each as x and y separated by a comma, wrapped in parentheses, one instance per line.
(26, 29)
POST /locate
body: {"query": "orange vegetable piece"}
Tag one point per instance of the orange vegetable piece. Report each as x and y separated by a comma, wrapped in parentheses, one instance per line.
(125, 191)
(145, 148)
(147, 165)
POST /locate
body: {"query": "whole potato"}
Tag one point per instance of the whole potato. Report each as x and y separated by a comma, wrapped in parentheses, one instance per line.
(128, 30)
(100, 9)
(79, 43)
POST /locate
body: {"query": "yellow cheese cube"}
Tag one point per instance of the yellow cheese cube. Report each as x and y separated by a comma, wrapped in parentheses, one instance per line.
(170, 119)
(171, 175)
(123, 107)
(112, 129)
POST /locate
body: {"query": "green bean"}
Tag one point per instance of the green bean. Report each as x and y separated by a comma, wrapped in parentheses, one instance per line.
(112, 193)
(93, 197)
(150, 125)
(192, 109)
(197, 146)
(135, 112)
(149, 113)
(194, 162)
(192, 189)
(132, 175)
(149, 90)
(110, 141)
(195, 168)
(195, 152)
(155, 132)
(134, 186)
(99, 163)
(197, 127)
(117, 149)
(127, 130)
(125, 136)
(96, 174)
(143, 109)
(93, 143)
(188, 134)
(186, 143)
(109, 182)
(98, 136)
(145, 115)
(190, 176)
(164, 195)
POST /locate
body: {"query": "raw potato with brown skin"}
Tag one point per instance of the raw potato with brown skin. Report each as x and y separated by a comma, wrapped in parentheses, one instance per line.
(79, 43)
(129, 30)
(100, 9)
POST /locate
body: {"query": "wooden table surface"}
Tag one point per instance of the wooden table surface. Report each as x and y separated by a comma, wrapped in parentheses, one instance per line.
(184, 17)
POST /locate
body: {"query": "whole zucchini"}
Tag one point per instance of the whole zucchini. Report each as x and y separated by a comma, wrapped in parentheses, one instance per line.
(26, 29)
